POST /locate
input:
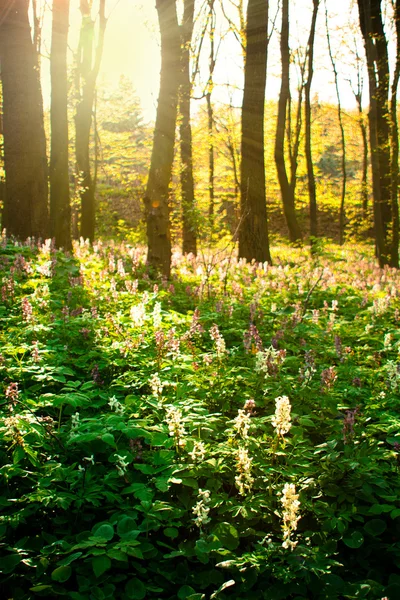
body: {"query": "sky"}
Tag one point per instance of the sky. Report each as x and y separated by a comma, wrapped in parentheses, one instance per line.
(132, 49)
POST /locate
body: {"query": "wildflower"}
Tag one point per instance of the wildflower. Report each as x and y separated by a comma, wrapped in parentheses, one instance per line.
(138, 314)
(195, 327)
(136, 448)
(176, 429)
(249, 406)
(156, 385)
(219, 341)
(242, 423)
(250, 336)
(13, 431)
(348, 425)
(173, 343)
(201, 509)
(281, 420)
(306, 373)
(89, 459)
(131, 286)
(116, 406)
(328, 378)
(35, 351)
(121, 464)
(290, 503)
(393, 371)
(27, 310)
(387, 342)
(244, 480)
(74, 423)
(315, 316)
(96, 375)
(269, 361)
(120, 268)
(157, 315)
(198, 453)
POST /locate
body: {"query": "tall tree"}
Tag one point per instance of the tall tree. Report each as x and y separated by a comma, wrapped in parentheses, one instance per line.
(60, 209)
(189, 237)
(253, 232)
(88, 65)
(312, 193)
(287, 191)
(394, 258)
(157, 192)
(210, 112)
(25, 210)
(371, 24)
(342, 133)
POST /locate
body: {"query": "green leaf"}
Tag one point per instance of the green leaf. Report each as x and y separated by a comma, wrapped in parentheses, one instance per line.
(40, 588)
(227, 535)
(375, 527)
(61, 574)
(126, 525)
(105, 531)
(171, 532)
(135, 589)
(222, 588)
(8, 564)
(69, 559)
(18, 454)
(108, 438)
(355, 540)
(185, 591)
(100, 564)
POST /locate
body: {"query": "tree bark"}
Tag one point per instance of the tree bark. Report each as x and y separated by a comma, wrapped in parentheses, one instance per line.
(60, 209)
(210, 117)
(25, 210)
(189, 234)
(394, 258)
(157, 192)
(253, 232)
(307, 105)
(287, 191)
(371, 25)
(87, 76)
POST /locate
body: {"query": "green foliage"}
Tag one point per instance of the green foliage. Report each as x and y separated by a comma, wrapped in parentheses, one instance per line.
(143, 450)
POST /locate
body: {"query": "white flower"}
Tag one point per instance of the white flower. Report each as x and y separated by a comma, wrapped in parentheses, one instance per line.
(242, 423)
(121, 464)
(115, 405)
(138, 314)
(244, 481)
(157, 315)
(281, 420)
(176, 429)
(198, 453)
(290, 503)
(201, 509)
(156, 385)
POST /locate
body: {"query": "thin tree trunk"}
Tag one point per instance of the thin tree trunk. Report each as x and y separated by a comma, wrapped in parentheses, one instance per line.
(342, 215)
(308, 149)
(25, 211)
(87, 74)
(189, 234)
(287, 191)
(157, 192)
(294, 147)
(253, 233)
(60, 209)
(394, 259)
(210, 117)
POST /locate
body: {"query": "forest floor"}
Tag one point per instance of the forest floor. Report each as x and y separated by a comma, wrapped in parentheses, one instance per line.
(231, 433)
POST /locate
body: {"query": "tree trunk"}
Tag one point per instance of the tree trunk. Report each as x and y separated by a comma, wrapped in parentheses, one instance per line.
(25, 210)
(378, 77)
(60, 209)
(307, 105)
(87, 76)
(287, 192)
(253, 232)
(189, 234)
(157, 192)
(342, 135)
(394, 258)
(210, 118)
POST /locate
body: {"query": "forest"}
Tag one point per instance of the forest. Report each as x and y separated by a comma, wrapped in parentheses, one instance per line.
(199, 307)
